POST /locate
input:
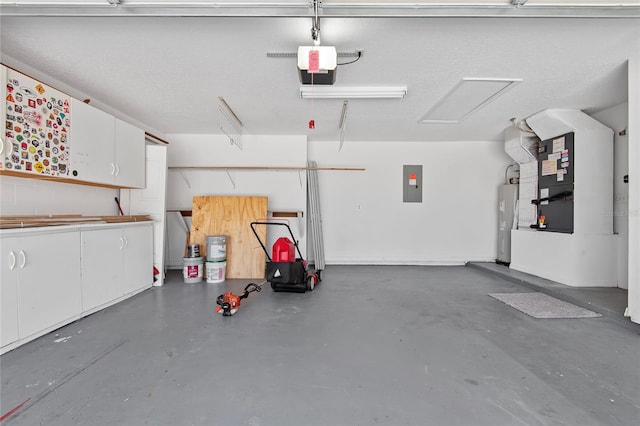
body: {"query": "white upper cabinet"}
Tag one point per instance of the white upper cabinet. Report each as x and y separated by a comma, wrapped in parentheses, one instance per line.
(129, 155)
(49, 133)
(5, 145)
(92, 144)
(36, 121)
(105, 149)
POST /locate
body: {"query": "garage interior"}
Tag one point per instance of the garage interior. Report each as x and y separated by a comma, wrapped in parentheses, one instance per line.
(437, 162)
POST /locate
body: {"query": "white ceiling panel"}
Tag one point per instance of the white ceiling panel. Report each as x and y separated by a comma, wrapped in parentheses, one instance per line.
(167, 72)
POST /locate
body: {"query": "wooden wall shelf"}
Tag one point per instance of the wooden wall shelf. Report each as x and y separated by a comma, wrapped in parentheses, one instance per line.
(59, 179)
(249, 168)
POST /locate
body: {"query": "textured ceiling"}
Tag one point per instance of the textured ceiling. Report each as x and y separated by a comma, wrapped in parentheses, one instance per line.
(168, 72)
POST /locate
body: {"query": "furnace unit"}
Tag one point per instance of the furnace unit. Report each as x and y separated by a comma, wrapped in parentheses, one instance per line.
(555, 184)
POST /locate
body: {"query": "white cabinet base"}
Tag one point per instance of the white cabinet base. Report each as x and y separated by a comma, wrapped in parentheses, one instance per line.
(576, 260)
(54, 276)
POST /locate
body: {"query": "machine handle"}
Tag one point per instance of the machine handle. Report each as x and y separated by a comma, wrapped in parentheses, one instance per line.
(293, 238)
(558, 196)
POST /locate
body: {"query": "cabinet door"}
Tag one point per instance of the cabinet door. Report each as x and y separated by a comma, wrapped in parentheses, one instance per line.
(138, 258)
(9, 291)
(102, 252)
(92, 144)
(48, 281)
(129, 155)
(36, 125)
(5, 142)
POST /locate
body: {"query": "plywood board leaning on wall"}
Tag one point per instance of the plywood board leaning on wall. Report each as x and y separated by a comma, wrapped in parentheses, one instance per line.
(232, 216)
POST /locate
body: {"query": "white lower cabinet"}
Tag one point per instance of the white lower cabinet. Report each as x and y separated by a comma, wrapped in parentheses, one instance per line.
(115, 262)
(40, 283)
(137, 263)
(9, 291)
(101, 267)
(52, 277)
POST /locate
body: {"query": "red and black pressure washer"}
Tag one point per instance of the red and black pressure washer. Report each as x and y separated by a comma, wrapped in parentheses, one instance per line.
(285, 271)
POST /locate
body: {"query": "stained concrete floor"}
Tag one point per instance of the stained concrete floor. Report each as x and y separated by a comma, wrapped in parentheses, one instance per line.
(389, 345)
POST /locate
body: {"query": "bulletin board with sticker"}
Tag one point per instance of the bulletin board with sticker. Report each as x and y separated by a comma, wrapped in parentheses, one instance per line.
(556, 159)
(37, 127)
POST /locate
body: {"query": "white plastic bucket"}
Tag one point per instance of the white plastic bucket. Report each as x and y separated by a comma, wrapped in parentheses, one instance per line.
(192, 269)
(217, 248)
(216, 271)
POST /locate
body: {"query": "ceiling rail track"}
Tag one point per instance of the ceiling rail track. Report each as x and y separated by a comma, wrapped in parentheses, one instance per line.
(307, 9)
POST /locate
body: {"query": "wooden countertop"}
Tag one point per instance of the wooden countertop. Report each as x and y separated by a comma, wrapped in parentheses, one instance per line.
(31, 221)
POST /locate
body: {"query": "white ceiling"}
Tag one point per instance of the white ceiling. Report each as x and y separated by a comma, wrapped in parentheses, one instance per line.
(167, 72)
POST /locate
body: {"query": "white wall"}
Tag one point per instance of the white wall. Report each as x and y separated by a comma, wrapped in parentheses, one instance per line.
(21, 196)
(366, 222)
(633, 132)
(617, 118)
(286, 190)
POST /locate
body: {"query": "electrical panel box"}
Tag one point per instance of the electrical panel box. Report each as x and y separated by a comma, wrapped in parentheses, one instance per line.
(412, 184)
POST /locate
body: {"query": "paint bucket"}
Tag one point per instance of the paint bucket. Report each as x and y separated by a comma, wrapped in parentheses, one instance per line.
(217, 248)
(216, 271)
(192, 269)
(193, 250)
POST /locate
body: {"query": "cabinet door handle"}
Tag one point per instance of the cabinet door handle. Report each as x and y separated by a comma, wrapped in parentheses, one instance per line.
(24, 259)
(12, 258)
(121, 243)
(6, 147)
(117, 169)
(126, 242)
(113, 168)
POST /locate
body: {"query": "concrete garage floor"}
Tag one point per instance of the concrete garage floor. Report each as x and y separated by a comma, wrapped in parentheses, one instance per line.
(389, 345)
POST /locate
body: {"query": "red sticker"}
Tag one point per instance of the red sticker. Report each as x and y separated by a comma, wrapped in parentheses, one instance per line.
(314, 61)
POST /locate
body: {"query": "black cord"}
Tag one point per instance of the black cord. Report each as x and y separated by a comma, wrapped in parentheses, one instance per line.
(355, 60)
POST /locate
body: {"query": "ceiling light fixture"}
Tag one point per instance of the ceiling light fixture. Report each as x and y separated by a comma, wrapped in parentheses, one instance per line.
(352, 92)
(354, 54)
